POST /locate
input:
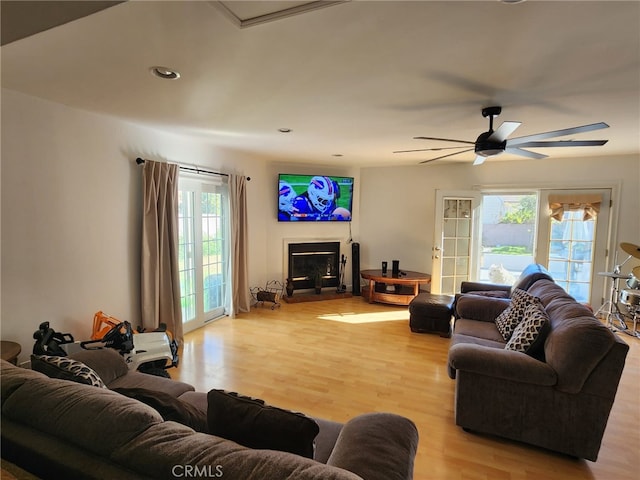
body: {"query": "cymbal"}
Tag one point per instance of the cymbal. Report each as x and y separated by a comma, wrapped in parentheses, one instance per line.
(613, 275)
(636, 272)
(631, 249)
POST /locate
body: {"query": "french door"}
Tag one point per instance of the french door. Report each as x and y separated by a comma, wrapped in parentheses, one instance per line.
(576, 243)
(491, 235)
(203, 251)
(457, 230)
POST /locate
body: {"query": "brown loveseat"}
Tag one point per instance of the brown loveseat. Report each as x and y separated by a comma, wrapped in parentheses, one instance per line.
(558, 398)
(57, 428)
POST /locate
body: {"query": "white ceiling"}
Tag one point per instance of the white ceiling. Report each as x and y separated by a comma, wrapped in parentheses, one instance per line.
(359, 78)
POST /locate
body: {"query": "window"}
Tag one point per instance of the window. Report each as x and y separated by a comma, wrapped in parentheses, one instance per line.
(203, 255)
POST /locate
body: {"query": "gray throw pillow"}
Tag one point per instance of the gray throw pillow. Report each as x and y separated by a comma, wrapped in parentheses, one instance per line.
(254, 424)
(66, 369)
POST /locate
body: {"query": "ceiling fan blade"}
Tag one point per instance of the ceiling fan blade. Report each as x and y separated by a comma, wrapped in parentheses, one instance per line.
(503, 131)
(444, 140)
(479, 160)
(558, 133)
(426, 149)
(445, 156)
(524, 153)
(563, 143)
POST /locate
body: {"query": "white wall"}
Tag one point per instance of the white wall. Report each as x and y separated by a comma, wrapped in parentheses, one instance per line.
(71, 196)
(71, 210)
(398, 204)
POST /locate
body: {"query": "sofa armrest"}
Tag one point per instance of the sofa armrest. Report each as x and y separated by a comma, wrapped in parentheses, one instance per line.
(377, 446)
(468, 286)
(476, 307)
(501, 363)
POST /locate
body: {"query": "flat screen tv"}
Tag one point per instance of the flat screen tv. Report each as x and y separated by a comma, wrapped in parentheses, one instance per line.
(314, 198)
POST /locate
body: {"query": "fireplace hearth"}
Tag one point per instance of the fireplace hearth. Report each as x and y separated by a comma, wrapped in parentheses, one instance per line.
(306, 260)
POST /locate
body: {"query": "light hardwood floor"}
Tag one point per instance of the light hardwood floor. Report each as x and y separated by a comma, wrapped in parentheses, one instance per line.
(336, 359)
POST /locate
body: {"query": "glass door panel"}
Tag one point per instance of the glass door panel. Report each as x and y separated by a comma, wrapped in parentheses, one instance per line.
(574, 247)
(452, 250)
(508, 235)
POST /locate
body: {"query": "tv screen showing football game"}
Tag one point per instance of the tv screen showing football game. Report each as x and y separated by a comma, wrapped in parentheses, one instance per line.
(314, 198)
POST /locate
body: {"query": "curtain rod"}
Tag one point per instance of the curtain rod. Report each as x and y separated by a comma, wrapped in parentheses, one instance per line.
(197, 170)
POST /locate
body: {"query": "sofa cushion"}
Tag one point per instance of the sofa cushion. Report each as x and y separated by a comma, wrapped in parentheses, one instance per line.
(478, 332)
(480, 307)
(509, 319)
(151, 382)
(66, 369)
(489, 293)
(169, 451)
(13, 377)
(169, 407)
(95, 419)
(528, 337)
(106, 362)
(252, 423)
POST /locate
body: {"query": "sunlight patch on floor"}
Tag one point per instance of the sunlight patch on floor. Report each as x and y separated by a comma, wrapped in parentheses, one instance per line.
(357, 318)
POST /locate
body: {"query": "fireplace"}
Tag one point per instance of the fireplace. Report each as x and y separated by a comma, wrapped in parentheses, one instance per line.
(310, 258)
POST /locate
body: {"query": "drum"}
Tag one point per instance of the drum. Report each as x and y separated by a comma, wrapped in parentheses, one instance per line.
(632, 282)
(630, 297)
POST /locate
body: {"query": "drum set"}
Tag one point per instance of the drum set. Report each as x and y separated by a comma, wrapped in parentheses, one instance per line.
(629, 297)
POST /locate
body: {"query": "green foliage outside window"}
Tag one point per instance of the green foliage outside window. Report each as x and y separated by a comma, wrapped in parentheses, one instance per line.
(524, 213)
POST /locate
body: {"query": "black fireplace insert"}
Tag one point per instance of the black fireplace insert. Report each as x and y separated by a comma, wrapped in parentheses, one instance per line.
(314, 259)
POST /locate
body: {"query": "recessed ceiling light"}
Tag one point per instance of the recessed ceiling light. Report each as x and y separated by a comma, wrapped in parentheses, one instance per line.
(164, 73)
(513, 2)
(337, 155)
(284, 130)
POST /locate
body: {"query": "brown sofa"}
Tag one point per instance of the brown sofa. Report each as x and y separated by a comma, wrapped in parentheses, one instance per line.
(56, 428)
(559, 398)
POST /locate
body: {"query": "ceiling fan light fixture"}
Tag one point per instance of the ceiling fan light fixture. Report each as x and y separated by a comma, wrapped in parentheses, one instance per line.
(164, 73)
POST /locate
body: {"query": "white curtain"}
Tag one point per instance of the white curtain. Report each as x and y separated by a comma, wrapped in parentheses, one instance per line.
(240, 295)
(160, 281)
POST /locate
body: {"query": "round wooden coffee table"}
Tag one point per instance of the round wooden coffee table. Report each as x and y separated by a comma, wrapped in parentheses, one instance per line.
(10, 351)
(399, 290)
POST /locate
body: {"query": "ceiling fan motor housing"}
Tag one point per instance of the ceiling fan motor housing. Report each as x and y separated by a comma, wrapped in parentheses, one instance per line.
(487, 148)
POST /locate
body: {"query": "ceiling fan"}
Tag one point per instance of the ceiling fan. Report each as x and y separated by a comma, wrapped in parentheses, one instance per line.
(491, 143)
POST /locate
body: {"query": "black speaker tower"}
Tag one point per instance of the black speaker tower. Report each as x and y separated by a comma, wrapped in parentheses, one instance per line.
(355, 268)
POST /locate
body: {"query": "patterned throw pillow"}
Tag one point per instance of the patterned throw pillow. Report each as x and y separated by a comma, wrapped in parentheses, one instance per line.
(66, 369)
(530, 334)
(509, 319)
